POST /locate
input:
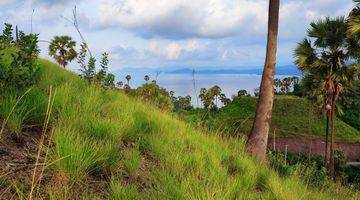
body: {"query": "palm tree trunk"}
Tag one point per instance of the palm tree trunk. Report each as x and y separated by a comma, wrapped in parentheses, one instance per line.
(257, 142)
(327, 138)
(332, 145)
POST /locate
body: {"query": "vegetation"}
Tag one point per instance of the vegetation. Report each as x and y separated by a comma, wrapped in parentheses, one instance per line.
(61, 48)
(289, 119)
(329, 59)
(68, 137)
(18, 69)
(129, 143)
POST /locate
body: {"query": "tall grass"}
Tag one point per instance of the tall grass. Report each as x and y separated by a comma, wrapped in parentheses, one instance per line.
(19, 109)
(98, 131)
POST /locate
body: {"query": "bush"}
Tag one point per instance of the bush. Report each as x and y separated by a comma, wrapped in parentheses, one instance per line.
(18, 67)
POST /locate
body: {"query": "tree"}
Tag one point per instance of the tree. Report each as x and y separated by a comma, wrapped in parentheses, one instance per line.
(102, 74)
(119, 84)
(87, 69)
(147, 78)
(277, 84)
(354, 19)
(257, 141)
(128, 78)
(330, 56)
(242, 93)
(224, 100)
(285, 84)
(207, 98)
(61, 48)
(215, 92)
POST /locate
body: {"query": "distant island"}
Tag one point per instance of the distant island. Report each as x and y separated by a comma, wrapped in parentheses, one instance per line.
(281, 70)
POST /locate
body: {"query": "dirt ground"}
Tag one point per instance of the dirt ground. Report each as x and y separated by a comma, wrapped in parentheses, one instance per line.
(314, 147)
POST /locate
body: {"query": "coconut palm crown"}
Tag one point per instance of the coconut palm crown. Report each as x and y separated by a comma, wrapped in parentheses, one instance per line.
(61, 48)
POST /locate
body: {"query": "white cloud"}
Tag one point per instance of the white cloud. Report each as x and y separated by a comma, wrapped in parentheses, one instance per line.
(185, 18)
(6, 2)
(171, 50)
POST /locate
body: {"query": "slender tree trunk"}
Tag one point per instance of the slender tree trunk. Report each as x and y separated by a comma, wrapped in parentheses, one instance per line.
(327, 138)
(257, 142)
(332, 145)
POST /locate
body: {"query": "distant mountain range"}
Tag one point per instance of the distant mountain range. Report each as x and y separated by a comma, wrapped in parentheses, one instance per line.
(280, 70)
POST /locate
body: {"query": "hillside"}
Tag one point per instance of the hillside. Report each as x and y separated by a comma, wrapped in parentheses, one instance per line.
(105, 145)
(292, 117)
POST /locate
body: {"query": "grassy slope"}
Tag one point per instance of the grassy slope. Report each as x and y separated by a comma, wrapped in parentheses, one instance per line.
(144, 153)
(292, 117)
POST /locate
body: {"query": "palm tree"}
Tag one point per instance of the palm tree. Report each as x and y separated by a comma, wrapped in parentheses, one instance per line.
(61, 48)
(257, 142)
(128, 78)
(146, 78)
(354, 19)
(330, 56)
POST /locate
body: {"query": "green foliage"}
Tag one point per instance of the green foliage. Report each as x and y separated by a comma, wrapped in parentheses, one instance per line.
(210, 97)
(350, 102)
(289, 119)
(177, 162)
(132, 161)
(62, 49)
(20, 109)
(88, 70)
(181, 103)
(124, 192)
(152, 93)
(18, 69)
(76, 156)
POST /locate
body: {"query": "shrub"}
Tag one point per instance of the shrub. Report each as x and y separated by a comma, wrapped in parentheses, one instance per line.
(18, 68)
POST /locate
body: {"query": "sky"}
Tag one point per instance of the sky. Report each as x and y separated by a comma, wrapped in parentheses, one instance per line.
(168, 33)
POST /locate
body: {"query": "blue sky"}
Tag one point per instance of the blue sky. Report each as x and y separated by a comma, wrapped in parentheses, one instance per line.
(161, 33)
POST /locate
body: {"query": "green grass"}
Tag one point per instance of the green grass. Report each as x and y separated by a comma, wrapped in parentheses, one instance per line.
(292, 117)
(100, 132)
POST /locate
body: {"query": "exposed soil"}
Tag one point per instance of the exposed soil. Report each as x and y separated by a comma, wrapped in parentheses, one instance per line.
(17, 159)
(314, 147)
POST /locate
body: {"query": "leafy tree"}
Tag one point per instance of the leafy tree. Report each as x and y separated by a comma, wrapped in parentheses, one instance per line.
(101, 75)
(119, 84)
(242, 93)
(224, 100)
(184, 102)
(153, 93)
(256, 144)
(215, 92)
(277, 84)
(207, 98)
(61, 48)
(87, 68)
(18, 68)
(331, 57)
